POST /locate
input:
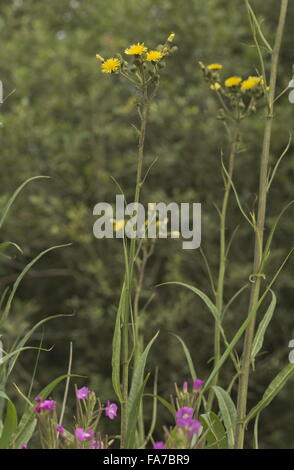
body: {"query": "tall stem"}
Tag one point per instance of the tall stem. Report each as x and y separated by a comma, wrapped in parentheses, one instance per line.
(234, 145)
(259, 232)
(144, 109)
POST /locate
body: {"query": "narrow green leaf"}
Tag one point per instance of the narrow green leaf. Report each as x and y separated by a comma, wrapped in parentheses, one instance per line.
(188, 357)
(27, 336)
(5, 245)
(212, 308)
(259, 337)
(214, 431)
(138, 375)
(273, 389)
(10, 423)
(164, 402)
(257, 25)
(21, 276)
(133, 416)
(228, 412)
(243, 327)
(14, 196)
(116, 348)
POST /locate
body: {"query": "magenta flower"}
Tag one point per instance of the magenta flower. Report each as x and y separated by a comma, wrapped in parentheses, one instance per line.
(24, 446)
(111, 410)
(60, 429)
(184, 414)
(159, 445)
(82, 393)
(197, 384)
(82, 435)
(193, 426)
(44, 405)
(95, 445)
(48, 405)
(185, 387)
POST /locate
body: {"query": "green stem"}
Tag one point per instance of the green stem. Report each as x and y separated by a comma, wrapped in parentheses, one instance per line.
(259, 232)
(129, 282)
(222, 254)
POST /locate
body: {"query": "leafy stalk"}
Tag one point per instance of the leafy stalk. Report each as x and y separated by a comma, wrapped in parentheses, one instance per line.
(259, 232)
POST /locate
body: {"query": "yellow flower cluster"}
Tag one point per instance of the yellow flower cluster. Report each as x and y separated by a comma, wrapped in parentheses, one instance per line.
(110, 65)
(114, 64)
(233, 81)
(154, 56)
(250, 83)
(136, 49)
(215, 67)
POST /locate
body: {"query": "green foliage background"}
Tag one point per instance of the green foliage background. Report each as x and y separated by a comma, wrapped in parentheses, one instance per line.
(70, 122)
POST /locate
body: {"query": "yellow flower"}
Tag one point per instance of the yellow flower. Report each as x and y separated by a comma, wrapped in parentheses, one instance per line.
(215, 86)
(215, 67)
(233, 81)
(119, 225)
(171, 37)
(136, 49)
(154, 56)
(110, 65)
(251, 82)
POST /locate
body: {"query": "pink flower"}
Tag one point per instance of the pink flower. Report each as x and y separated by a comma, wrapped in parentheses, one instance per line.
(48, 405)
(197, 384)
(185, 387)
(60, 429)
(111, 410)
(95, 445)
(82, 393)
(184, 414)
(159, 445)
(82, 435)
(193, 426)
(44, 405)
(24, 446)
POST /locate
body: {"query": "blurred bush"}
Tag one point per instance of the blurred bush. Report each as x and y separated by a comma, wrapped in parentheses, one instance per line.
(68, 121)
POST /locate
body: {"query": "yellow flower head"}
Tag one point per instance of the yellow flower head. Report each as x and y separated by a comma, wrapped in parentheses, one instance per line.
(215, 86)
(233, 81)
(215, 67)
(118, 225)
(110, 65)
(171, 37)
(154, 56)
(136, 49)
(251, 82)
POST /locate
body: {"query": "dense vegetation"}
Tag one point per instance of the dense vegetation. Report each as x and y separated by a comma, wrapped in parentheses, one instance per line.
(68, 121)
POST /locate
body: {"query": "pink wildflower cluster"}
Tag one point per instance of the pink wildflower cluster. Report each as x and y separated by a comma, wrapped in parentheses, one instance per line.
(110, 409)
(197, 385)
(185, 420)
(86, 433)
(44, 405)
(186, 403)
